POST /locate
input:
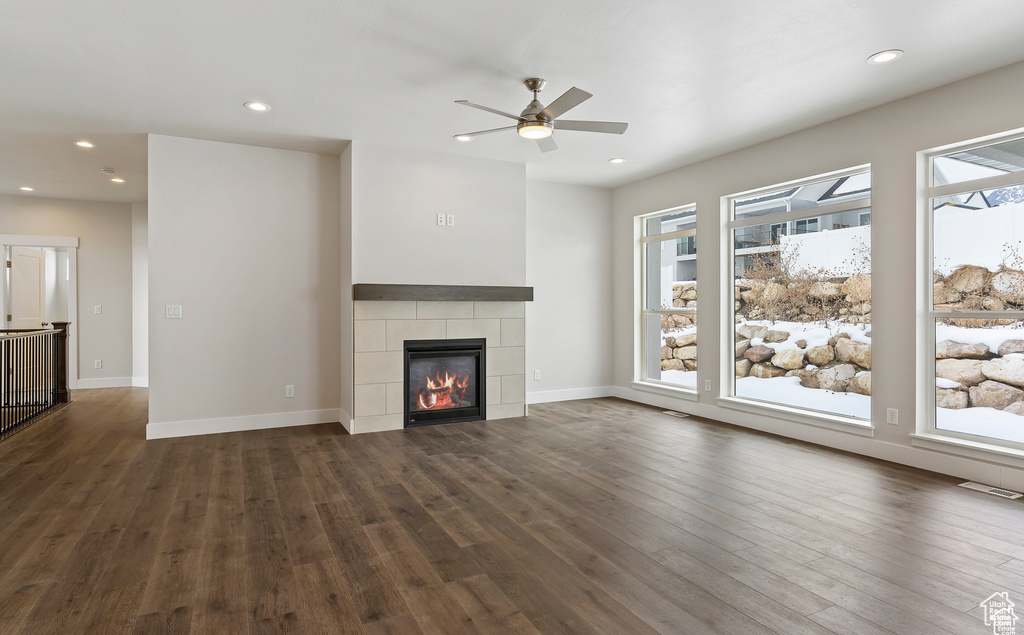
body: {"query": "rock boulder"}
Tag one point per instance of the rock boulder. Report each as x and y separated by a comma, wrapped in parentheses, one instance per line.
(860, 384)
(1011, 346)
(951, 398)
(968, 279)
(950, 349)
(743, 367)
(766, 371)
(859, 353)
(994, 394)
(1008, 370)
(820, 355)
(790, 359)
(835, 378)
(759, 353)
(964, 371)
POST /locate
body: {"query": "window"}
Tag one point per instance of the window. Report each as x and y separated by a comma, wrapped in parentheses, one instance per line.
(801, 298)
(976, 314)
(669, 290)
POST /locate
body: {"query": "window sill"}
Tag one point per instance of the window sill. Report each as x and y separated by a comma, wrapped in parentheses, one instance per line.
(970, 449)
(832, 422)
(668, 391)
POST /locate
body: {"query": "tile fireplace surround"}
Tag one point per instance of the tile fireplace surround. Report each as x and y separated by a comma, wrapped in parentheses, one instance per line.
(382, 326)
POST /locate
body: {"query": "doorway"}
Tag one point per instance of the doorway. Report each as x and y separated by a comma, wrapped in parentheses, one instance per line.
(40, 286)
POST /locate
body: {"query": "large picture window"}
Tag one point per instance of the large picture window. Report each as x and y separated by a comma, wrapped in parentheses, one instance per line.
(975, 201)
(669, 298)
(801, 295)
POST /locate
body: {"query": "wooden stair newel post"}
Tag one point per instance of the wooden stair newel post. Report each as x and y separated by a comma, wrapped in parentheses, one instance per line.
(61, 393)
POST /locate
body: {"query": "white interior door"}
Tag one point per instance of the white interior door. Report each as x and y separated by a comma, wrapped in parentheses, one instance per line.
(27, 299)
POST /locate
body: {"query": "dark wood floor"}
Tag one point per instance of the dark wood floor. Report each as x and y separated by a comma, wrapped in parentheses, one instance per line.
(595, 516)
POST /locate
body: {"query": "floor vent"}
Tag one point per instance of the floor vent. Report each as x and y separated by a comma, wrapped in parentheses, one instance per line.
(673, 413)
(1005, 493)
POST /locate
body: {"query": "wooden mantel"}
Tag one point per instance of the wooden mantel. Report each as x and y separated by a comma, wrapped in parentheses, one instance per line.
(441, 293)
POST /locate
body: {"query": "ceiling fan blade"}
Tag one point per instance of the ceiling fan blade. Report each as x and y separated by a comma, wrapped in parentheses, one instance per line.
(547, 144)
(610, 127)
(480, 132)
(569, 100)
(478, 106)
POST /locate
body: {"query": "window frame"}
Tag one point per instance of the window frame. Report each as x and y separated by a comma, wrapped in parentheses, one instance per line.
(727, 381)
(640, 379)
(928, 434)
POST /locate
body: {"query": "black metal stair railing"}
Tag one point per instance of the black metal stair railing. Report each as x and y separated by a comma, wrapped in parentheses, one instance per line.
(33, 380)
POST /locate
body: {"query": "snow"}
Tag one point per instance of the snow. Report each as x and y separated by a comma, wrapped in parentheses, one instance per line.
(814, 333)
(991, 336)
(985, 422)
(686, 378)
(788, 391)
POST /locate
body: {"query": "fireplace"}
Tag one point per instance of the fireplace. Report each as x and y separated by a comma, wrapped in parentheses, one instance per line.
(444, 381)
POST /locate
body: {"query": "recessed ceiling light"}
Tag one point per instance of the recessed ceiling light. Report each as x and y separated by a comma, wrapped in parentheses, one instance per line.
(117, 179)
(85, 144)
(463, 137)
(28, 189)
(616, 160)
(258, 106)
(884, 57)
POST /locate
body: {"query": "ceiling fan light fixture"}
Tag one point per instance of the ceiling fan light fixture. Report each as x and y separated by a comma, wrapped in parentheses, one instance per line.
(535, 129)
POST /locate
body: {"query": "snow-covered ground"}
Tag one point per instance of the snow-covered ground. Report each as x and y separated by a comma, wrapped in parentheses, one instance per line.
(986, 422)
(788, 391)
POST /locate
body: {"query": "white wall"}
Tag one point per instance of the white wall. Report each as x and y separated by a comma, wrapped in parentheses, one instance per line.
(396, 196)
(246, 240)
(104, 275)
(838, 252)
(568, 264)
(140, 294)
(348, 408)
(888, 138)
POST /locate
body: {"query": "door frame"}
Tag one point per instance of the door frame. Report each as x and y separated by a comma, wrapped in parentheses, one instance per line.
(70, 243)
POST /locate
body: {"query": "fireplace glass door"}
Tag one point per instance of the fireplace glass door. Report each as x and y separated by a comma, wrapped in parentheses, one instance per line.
(444, 381)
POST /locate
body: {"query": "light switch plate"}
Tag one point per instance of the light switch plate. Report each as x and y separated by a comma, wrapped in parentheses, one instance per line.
(97, 309)
(172, 311)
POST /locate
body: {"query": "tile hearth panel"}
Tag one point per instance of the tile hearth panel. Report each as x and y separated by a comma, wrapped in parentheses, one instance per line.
(381, 328)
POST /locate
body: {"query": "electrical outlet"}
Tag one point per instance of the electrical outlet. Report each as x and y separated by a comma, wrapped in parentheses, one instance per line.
(451, 220)
(97, 363)
(97, 309)
(536, 375)
(707, 385)
(289, 390)
(892, 416)
(440, 220)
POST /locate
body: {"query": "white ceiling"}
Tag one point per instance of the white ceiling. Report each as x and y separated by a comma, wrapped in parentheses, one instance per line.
(693, 79)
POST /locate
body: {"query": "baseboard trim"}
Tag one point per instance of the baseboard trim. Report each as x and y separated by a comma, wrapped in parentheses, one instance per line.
(569, 394)
(346, 419)
(140, 382)
(195, 427)
(976, 470)
(104, 382)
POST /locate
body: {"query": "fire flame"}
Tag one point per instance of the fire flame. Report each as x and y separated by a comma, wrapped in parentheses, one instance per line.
(439, 391)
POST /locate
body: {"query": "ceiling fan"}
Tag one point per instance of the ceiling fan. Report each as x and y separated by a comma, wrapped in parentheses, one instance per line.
(538, 121)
